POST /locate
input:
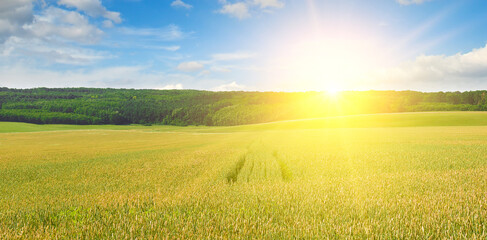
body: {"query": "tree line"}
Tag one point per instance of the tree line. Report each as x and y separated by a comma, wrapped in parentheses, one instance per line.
(193, 107)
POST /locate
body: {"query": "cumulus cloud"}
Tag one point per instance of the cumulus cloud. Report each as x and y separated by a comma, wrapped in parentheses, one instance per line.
(180, 3)
(238, 10)
(58, 23)
(409, 2)
(233, 86)
(31, 29)
(107, 24)
(17, 19)
(93, 8)
(244, 9)
(462, 71)
(13, 15)
(190, 66)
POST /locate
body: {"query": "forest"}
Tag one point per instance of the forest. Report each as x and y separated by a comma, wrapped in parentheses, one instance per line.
(195, 107)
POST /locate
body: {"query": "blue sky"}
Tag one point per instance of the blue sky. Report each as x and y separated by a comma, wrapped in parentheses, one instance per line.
(264, 45)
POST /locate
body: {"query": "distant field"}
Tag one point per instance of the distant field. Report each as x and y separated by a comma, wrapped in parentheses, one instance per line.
(420, 119)
(411, 175)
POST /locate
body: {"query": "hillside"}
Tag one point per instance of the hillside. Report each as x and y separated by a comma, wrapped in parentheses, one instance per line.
(92, 106)
(420, 119)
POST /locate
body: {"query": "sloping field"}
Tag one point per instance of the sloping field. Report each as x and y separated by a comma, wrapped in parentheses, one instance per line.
(420, 175)
(420, 119)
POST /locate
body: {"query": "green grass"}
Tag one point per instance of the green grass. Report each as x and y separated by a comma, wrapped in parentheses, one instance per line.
(14, 127)
(420, 119)
(414, 176)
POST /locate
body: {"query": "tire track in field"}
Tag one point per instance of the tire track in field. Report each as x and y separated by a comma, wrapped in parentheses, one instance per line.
(259, 164)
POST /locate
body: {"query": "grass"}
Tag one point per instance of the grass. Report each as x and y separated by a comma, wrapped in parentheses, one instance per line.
(419, 119)
(374, 176)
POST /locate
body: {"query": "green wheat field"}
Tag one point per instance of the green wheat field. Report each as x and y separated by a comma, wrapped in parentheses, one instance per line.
(388, 176)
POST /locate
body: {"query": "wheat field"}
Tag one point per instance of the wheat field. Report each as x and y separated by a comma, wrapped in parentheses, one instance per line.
(270, 181)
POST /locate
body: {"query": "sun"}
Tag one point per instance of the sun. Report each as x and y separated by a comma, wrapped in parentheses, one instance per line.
(329, 65)
(326, 62)
(333, 91)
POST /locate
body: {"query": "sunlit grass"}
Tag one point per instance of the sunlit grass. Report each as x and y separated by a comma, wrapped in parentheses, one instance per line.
(280, 180)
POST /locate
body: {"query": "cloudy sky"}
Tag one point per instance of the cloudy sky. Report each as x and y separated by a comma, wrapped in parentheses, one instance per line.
(265, 45)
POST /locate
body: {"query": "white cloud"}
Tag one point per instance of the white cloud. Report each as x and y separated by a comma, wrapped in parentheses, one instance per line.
(244, 9)
(456, 72)
(180, 3)
(55, 23)
(169, 33)
(170, 48)
(13, 15)
(93, 8)
(204, 73)
(233, 86)
(409, 2)
(238, 10)
(30, 49)
(232, 56)
(34, 34)
(107, 24)
(220, 69)
(20, 76)
(18, 19)
(49, 33)
(269, 3)
(190, 66)
(171, 87)
(214, 63)
(146, 38)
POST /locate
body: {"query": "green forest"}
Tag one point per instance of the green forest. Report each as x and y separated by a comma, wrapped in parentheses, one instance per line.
(194, 107)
